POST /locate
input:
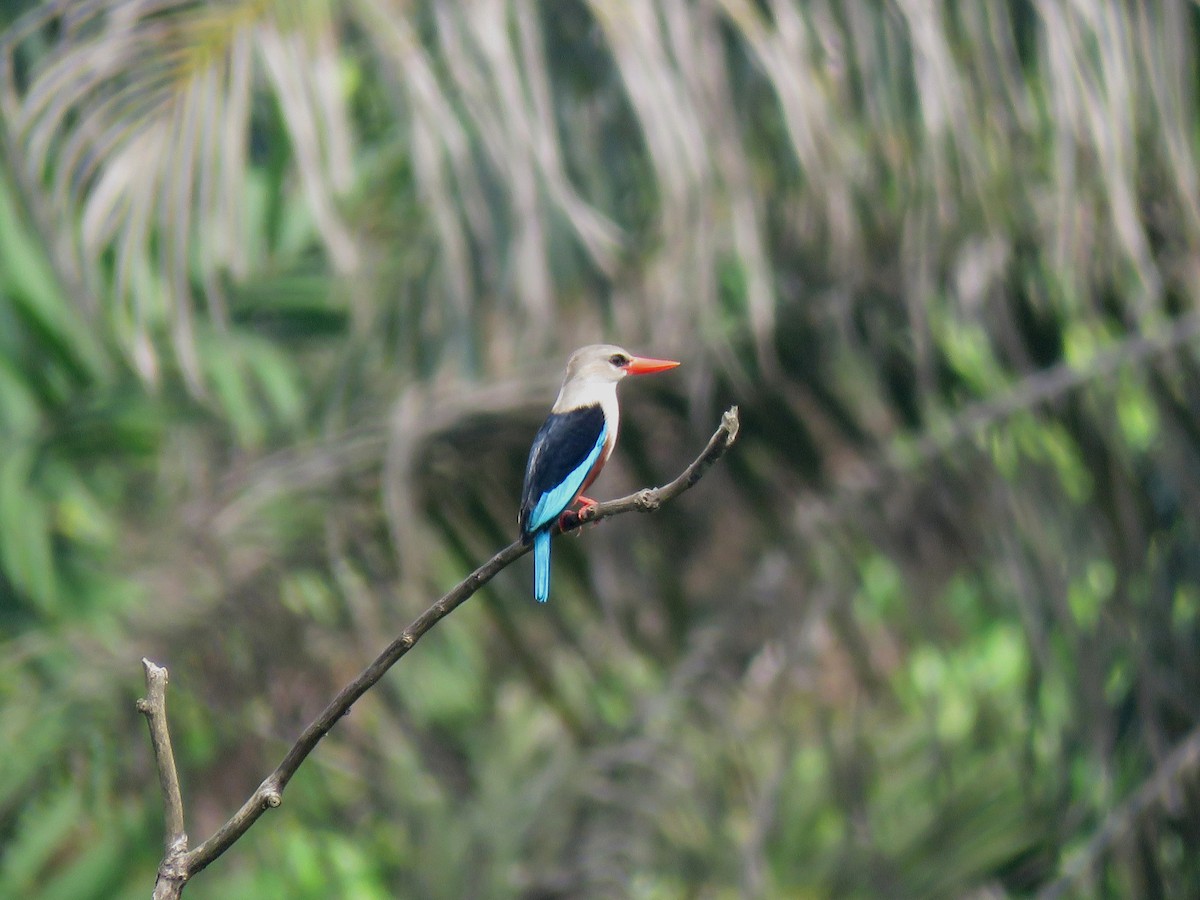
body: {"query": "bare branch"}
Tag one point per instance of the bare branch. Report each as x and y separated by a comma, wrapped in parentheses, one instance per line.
(1044, 386)
(650, 499)
(172, 873)
(1161, 788)
(270, 793)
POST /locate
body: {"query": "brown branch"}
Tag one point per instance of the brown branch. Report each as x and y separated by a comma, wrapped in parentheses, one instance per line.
(650, 499)
(171, 872)
(186, 863)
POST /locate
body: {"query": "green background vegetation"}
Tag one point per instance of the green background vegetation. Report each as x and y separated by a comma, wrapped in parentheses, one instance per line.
(285, 288)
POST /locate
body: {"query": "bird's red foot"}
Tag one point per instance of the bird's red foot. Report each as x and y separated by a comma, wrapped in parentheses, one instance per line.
(570, 517)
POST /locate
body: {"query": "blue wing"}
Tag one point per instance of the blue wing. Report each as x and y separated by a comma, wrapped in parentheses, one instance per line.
(563, 453)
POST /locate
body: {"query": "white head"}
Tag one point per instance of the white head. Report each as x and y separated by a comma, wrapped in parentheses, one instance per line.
(594, 371)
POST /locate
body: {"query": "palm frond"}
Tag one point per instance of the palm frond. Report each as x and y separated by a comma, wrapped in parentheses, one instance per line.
(139, 124)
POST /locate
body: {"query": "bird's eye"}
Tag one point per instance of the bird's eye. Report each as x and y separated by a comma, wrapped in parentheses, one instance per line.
(619, 360)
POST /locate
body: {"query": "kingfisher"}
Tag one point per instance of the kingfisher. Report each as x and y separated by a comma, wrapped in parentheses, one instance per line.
(573, 445)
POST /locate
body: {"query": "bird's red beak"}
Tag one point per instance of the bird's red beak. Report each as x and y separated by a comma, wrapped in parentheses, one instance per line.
(642, 365)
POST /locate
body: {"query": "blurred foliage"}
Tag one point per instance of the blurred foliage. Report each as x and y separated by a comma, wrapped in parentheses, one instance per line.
(284, 291)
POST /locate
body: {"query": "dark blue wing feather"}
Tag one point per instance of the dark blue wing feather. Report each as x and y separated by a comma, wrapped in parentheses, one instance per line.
(563, 452)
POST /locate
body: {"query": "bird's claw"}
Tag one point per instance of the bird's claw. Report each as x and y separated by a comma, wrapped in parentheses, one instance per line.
(570, 517)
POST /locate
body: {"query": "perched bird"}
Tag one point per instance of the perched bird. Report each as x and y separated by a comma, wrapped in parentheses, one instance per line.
(573, 444)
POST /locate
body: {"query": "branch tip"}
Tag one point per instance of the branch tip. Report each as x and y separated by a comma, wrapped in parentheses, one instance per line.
(731, 422)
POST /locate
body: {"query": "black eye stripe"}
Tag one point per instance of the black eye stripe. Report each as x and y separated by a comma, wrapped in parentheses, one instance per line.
(618, 360)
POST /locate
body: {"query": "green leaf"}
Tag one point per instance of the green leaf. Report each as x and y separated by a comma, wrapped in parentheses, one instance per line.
(33, 286)
(25, 542)
(40, 834)
(20, 412)
(94, 870)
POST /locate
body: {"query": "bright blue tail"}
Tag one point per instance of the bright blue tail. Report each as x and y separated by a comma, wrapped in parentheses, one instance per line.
(541, 565)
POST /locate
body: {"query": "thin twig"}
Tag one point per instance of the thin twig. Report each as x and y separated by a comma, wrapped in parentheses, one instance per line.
(171, 873)
(650, 499)
(1042, 386)
(270, 793)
